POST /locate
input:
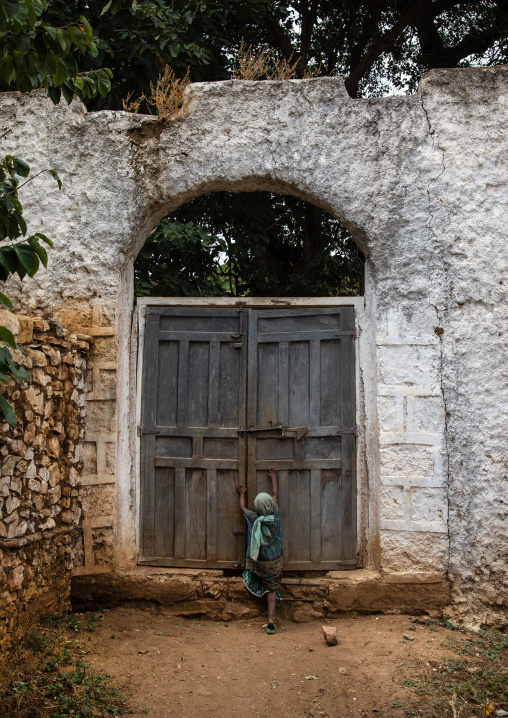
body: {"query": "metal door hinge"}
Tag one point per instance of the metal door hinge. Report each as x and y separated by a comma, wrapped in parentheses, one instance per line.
(357, 430)
(359, 561)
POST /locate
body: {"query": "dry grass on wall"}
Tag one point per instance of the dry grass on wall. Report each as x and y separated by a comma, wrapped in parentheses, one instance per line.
(168, 97)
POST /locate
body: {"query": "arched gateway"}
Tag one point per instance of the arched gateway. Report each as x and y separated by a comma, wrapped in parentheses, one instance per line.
(419, 182)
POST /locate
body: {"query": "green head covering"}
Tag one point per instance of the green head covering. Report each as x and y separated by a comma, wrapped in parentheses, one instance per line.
(261, 534)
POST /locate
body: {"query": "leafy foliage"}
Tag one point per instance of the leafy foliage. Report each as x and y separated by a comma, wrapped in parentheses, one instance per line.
(35, 53)
(256, 244)
(377, 47)
(41, 676)
(19, 255)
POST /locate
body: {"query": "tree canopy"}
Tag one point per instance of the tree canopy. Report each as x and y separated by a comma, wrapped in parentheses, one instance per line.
(257, 244)
(377, 45)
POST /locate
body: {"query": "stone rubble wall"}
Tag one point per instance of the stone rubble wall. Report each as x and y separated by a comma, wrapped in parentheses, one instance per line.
(41, 460)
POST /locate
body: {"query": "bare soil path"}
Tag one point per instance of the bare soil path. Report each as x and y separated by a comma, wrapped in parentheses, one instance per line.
(187, 668)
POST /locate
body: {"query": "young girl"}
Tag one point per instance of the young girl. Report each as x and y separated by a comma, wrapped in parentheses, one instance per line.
(263, 563)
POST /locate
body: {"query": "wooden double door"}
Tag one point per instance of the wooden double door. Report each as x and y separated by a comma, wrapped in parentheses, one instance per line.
(227, 393)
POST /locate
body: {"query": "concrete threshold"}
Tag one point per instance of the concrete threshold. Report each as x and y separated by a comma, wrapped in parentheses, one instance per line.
(212, 595)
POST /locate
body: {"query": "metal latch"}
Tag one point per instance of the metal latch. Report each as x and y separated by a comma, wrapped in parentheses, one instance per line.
(298, 432)
(252, 430)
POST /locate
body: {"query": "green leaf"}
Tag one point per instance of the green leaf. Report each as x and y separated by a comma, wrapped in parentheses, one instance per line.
(106, 7)
(10, 8)
(55, 176)
(50, 64)
(5, 300)
(9, 259)
(43, 236)
(7, 72)
(54, 93)
(103, 83)
(21, 168)
(27, 257)
(38, 7)
(88, 28)
(7, 412)
(39, 251)
(7, 336)
(50, 30)
(32, 17)
(21, 16)
(67, 92)
(77, 37)
(60, 76)
(61, 38)
(23, 41)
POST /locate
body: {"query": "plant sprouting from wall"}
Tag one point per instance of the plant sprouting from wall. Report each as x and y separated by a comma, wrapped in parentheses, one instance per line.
(265, 64)
(168, 97)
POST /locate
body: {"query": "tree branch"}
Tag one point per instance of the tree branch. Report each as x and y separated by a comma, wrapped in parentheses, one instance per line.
(280, 37)
(309, 16)
(408, 16)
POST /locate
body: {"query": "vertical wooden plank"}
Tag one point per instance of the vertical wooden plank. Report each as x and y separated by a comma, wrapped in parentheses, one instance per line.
(167, 390)
(315, 382)
(197, 447)
(183, 382)
(331, 371)
(315, 511)
(348, 419)
(284, 383)
(198, 387)
(195, 514)
(211, 515)
(298, 539)
(267, 384)
(164, 512)
(180, 513)
(230, 520)
(242, 404)
(149, 412)
(283, 478)
(213, 384)
(332, 529)
(252, 401)
(299, 388)
(230, 382)
(348, 497)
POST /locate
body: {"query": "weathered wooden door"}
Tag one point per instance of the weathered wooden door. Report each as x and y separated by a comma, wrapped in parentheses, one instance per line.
(227, 393)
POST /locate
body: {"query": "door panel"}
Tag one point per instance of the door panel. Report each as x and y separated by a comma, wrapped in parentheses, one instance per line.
(192, 453)
(209, 377)
(301, 378)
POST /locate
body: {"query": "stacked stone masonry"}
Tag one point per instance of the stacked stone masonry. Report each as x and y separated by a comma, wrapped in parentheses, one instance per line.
(422, 184)
(41, 461)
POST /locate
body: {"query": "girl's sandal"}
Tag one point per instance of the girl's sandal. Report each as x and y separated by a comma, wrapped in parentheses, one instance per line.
(271, 629)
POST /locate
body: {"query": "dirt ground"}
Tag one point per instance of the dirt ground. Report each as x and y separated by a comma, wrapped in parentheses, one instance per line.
(187, 668)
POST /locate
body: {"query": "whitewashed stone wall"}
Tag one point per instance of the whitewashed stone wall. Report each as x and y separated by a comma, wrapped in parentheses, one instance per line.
(421, 182)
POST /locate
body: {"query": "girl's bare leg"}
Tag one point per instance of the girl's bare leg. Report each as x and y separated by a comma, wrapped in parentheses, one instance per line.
(270, 599)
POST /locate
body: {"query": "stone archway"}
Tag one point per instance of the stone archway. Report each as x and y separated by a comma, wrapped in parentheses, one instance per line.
(404, 175)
